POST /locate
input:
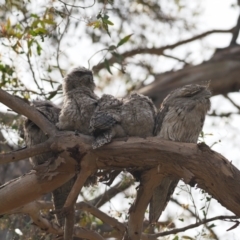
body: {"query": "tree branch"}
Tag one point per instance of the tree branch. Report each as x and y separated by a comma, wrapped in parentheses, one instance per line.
(194, 163)
(235, 32)
(112, 192)
(177, 230)
(138, 208)
(26, 152)
(213, 234)
(101, 215)
(224, 76)
(19, 106)
(159, 51)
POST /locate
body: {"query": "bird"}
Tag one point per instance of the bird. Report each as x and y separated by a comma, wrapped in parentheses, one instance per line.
(132, 116)
(34, 135)
(79, 101)
(180, 118)
(138, 115)
(79, 104)
(105, 123)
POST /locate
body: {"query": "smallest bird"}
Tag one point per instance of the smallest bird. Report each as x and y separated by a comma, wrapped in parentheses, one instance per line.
(105, 123)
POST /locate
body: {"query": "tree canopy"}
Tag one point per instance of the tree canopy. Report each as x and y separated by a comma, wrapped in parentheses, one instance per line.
(151, 47)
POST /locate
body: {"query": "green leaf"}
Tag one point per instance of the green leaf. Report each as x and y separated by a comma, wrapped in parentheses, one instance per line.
(48, 21)
(117, 56)
(106, 63)
(175, 238)
(124, 40)
(39, 49)
(181, 219)
(212, 226)
(40, 31)
(34, 15)
(112, 47)
(105, 16)
(208, 199)
(186, 237)
(106, 21)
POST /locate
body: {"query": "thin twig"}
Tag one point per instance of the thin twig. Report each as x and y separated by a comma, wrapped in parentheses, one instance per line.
(33, 74)
(193, 214)
(235, 32)
(177, 230)
(60, 39)
(101, 215)
(230, 100)
(112, 192)
(214, 114)
(67, 4)
(175, 58)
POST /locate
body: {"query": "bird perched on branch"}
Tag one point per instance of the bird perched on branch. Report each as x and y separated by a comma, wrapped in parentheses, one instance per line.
(180, 118)
(105, 123)
(79, 101)
(138, 115)
(34, 135)
(132, 116)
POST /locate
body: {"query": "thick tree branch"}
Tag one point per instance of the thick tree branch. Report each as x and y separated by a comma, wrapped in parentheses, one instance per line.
(159, 51)
(50, 145)
(19, 106)
(26, 152)
(87, 168)
(137, 210)
(33, 185)
(194, 163)
(223, 70)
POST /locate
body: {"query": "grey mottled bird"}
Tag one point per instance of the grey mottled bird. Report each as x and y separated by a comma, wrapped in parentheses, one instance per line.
(134, 116)
(105, 123)
(34, 135)
(180, 118)
(79, 101)
(138, 115)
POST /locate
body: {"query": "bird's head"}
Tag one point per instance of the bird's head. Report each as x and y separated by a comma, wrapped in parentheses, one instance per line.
(77, 78)
(109, 101)
(190, 94)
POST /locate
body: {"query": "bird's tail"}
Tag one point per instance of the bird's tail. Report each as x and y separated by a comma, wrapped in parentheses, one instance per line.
(161, 197)
(59, 198)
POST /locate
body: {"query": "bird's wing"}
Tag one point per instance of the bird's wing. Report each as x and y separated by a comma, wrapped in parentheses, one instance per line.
(102, 121)
(159, 119)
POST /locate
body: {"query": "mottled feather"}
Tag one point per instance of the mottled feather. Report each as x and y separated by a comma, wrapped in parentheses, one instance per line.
(106, 120)
(79, 101)
(180, 118)
(34, 135)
